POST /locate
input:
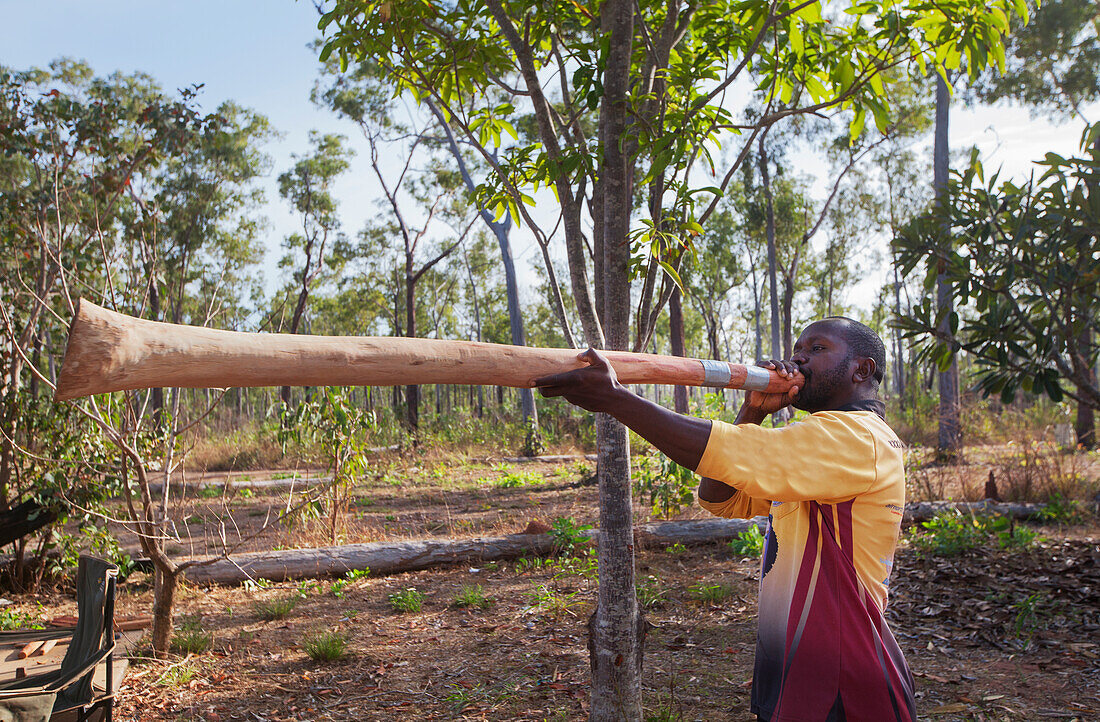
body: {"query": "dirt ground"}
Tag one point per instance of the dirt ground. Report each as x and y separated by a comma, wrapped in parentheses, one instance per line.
(992, 634)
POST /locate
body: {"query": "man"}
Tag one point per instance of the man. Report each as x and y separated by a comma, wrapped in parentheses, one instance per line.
(833, 488)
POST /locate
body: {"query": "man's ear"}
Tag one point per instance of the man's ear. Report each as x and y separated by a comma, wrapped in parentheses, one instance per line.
(864, 371)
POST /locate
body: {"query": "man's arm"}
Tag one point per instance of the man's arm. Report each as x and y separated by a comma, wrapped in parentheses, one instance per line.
(754, 409)
(596, 388)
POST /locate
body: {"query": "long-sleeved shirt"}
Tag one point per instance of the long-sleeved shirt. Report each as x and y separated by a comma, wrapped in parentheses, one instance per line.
(833, 487)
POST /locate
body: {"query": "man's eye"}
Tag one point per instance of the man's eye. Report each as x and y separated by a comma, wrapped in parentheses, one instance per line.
(819, 348)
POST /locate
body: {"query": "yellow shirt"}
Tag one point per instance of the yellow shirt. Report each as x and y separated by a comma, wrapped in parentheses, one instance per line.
(833, 486)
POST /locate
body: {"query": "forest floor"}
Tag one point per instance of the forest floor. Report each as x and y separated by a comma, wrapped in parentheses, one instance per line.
(990, 633)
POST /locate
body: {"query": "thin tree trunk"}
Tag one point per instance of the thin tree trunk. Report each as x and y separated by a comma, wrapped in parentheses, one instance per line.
(773, 286)
(676, 330)
(412, 393)
(617, 628)
(165, 584)
(950, 431)
(1085, 423)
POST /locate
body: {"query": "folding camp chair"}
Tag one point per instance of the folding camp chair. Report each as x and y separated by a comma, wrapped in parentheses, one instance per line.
(67, 693)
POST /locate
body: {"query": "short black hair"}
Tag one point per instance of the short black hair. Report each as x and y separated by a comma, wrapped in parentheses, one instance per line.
(863, 341)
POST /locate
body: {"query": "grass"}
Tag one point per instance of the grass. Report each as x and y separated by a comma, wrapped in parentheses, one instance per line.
(548, 600)
(271, 609)
(191, 638)
(325, 646)
(515, 479)
(709, 593)
(407, 601)
(472, 596)
(650, 593)
(181, 673)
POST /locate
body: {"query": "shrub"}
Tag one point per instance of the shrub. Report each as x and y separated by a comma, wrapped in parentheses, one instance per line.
(748, 543)
(568, 535)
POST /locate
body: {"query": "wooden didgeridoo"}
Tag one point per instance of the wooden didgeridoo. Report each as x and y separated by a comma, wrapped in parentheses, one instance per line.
(109, 351)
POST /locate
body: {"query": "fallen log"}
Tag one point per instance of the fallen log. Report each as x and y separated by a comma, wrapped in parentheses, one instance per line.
(405, 556)
(919, 511)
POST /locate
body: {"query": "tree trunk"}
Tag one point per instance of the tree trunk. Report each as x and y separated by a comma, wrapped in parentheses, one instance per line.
(899, 348)
(773, 285)
(617, 627)
(164, 600)
(412, 393)
(676, 330)
(1085, 423)
(950, 431)
(758, 331)
(511, 286)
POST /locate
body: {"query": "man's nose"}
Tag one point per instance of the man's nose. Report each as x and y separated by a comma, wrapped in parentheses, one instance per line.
(799, 358)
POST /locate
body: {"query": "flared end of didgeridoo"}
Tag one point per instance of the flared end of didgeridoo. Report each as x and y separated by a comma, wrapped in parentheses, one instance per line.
(88, 352)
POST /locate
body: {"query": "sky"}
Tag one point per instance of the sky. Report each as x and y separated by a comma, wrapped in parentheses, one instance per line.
(256, 52)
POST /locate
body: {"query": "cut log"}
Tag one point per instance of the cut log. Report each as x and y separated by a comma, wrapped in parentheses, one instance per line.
(405, 556)
(29, 649)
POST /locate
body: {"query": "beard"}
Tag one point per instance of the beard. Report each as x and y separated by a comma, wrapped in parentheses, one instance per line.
(820, 388)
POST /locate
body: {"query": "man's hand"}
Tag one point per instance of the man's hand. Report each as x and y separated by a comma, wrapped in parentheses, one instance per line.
(593, 387)
(758, 404)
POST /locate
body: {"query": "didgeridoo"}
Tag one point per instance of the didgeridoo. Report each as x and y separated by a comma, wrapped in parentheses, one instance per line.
(109, 351)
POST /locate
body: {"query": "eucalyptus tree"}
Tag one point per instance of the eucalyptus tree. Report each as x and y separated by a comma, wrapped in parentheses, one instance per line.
(307, 186)
(661, 76)
(84, 159)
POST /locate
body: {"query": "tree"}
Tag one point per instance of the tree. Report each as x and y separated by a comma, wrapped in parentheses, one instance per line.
(308, 188)
(658, 73)
(1028, 264)
(949, 440)
(88, 159)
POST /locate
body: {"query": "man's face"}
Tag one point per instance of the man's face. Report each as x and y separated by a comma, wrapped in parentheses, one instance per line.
(824, 358)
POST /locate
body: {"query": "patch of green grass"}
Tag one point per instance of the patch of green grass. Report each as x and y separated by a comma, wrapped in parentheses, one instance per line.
(949, 534)
(676, 548)
(472, 596)
(181, 673)
(285, 475)
(516, 479)
(325, 646)
(271, 609)
(1062, 510)
(209, 491)
(650, 593)
(407, 601)
(709, 593)
(191, 638)
(748, 543)
(585, 566)
(526, 564)
(554, 602)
